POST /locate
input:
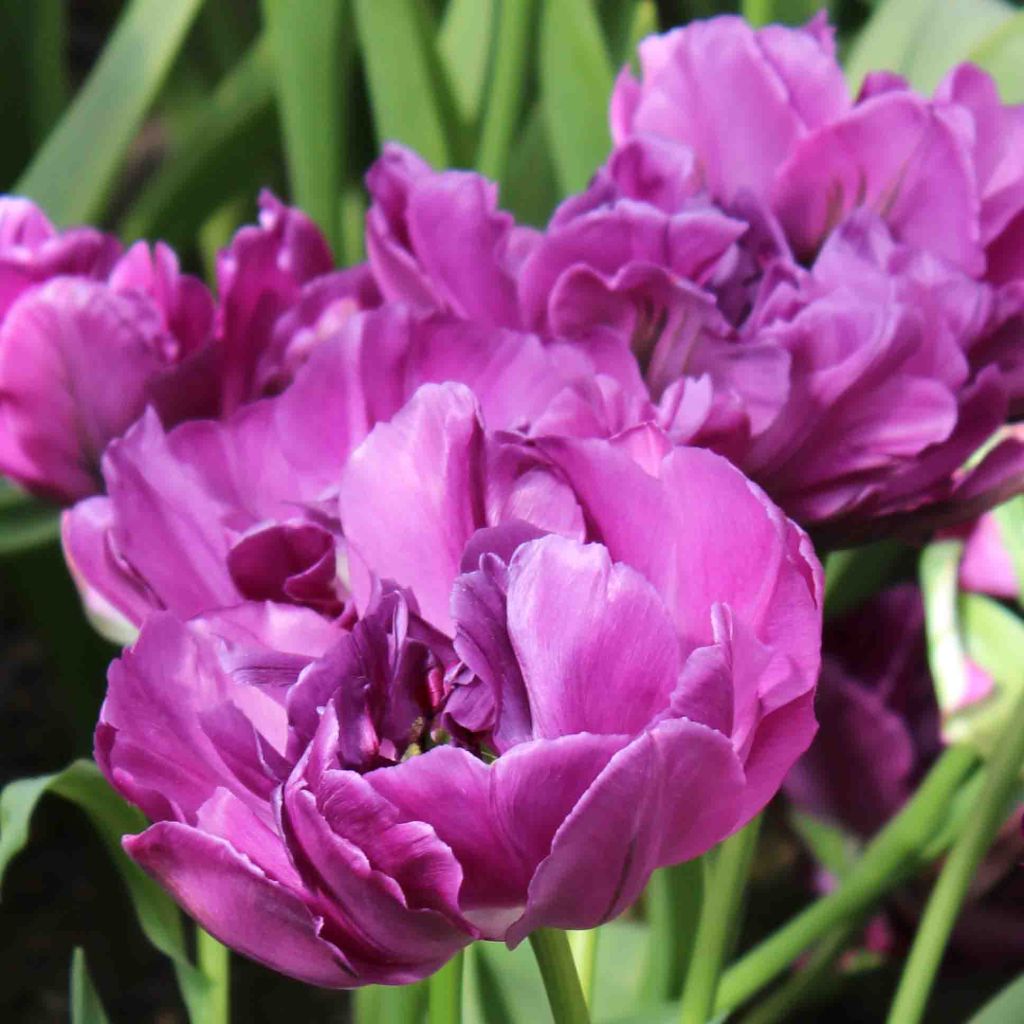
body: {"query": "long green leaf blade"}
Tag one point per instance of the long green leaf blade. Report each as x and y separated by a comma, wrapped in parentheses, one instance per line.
(86, 1007)
(72, 175)
(82, 784)
(214, 158)
(309, 50)
(409, 94)
(505, 99)
(465, 43)
(576, 81)
(25, 523)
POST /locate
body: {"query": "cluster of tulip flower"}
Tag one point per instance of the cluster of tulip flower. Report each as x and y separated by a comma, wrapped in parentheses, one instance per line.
(465, 588)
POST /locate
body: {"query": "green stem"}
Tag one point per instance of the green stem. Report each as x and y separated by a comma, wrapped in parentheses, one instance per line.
(892, 855)
(215, 962)
(584, 954)
(725, 876)
(505, 101)
(554, 958)
(444, 999)
(673, 908)
(805, 982)
(990, 812)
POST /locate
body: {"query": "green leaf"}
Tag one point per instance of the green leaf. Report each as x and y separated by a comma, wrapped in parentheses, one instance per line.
(25, 523)
(311, 52)
(784, 12)
(993, 638)
(576, 82)
(86, 1007)
(409, 94)
(625, 23)
(73, 173)
(505, 97)
(1010, 520)
(1001, 54)
(922, 39)
(214, 159)
(82, 784)
(1006, 1008)
(529, 188)
(465, 43)
(832, 847)
(855, 574)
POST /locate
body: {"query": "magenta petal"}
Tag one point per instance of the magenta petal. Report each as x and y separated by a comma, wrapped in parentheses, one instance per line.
(897, 155)
(239, 904)
(586, 631)
(781, 84)
(410, 496)
(76, 363)
(641, 813)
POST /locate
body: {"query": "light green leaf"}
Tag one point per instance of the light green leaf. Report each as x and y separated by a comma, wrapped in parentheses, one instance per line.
(82, 784)
(214, 159)
(25, 523)
(1001, 54)
(409, 94)
(1010, 519)
(465, 43)
(1006, 1008)
(73, 173)
(576, 82)
(311, 45)
(993, 638)
(922, 39)
(508, 82)
(86, 1007)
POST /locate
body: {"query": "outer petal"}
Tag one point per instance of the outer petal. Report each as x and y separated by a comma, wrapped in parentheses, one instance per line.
(498, 819)
(76, 363)
(239, 904)
(668, 796)
(901, 157)
(986, 566)
(150, 741)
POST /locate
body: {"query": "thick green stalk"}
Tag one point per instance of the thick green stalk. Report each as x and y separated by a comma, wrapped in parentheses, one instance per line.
(892, 855)
(673, 909)
(505, 99)
(584, 954)
(215, 962)
(444, 999)
(562, 983)
(725, 877)
(990, 812)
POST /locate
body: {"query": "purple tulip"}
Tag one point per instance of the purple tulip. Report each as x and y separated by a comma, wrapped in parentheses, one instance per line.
(741, 99)
(80, 359)
(364, 797)
(32, 251)
(213, 513)
(885, 405)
